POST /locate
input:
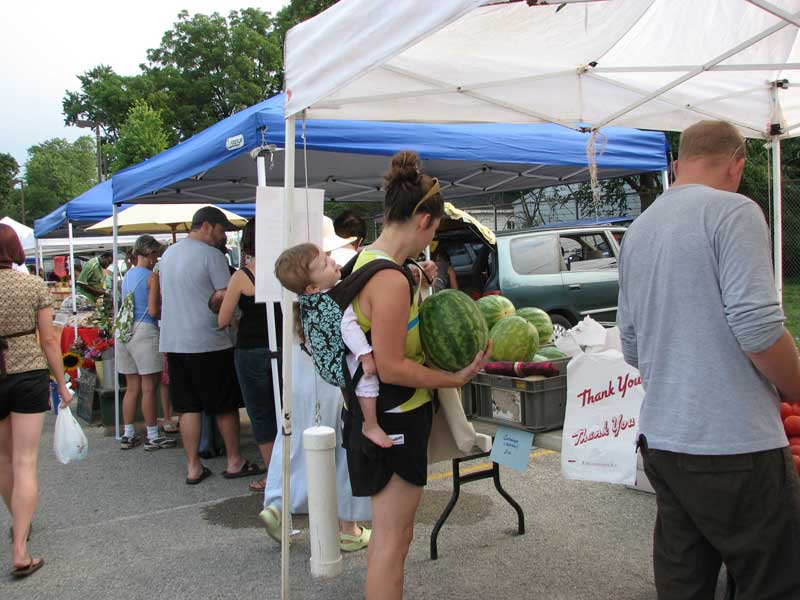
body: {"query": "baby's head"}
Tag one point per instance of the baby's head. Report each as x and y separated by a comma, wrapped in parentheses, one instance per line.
(306, 269)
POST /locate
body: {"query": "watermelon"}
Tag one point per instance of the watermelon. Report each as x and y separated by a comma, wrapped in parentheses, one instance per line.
(495, 308)
(514, 339)
(539, 358)
(452, 330)
(539, 319)
(551, 353)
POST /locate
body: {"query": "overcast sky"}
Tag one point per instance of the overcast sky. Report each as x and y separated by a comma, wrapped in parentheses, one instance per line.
(46, 44)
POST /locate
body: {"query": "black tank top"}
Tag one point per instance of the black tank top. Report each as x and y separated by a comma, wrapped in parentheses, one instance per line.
(253, 324)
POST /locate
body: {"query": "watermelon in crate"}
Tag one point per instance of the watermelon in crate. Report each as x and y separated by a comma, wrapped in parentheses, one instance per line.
(514, 339)
(551, 353)
(452, 330)
(495, 308)
(539, 319)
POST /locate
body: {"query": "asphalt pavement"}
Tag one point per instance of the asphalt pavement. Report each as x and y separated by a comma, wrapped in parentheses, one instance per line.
(124, 525)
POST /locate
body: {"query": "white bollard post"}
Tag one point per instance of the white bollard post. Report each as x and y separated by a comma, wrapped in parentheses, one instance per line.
(323, 512)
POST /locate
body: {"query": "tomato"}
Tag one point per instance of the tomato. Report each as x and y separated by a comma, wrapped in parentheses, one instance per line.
(794, 441)
(795, 408)
(786, 410)
(792, 425)
(795, 450)
(796, 462)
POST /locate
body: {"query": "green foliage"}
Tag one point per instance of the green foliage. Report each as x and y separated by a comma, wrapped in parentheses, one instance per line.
(140, 137)
(206, 68)
(8, 172)
(210, 67)
(56, 172)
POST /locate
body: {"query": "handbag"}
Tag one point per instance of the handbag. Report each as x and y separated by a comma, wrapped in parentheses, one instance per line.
(452, 436)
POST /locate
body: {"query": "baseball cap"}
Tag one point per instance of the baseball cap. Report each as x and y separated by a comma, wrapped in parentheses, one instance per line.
(213, 215)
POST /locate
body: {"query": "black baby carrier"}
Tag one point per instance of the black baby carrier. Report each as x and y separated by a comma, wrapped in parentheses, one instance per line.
(321, 318)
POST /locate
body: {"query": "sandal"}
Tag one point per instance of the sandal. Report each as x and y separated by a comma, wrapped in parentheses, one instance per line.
(352, 543)
(169, 426)
(258, 486)
(271, 517)
(34, 565)
(248, 470)
(204, 474)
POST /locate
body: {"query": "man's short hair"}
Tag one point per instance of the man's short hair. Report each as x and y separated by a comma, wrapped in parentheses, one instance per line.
(712, 139)
(107, 255)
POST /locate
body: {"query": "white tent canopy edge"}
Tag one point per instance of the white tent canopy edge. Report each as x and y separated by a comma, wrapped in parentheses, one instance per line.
(652, 64)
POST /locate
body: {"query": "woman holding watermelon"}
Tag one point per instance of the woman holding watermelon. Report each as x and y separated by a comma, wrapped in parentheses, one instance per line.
(394, 477)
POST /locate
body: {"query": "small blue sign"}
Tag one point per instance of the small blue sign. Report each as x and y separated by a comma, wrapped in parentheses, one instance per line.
(512, 448)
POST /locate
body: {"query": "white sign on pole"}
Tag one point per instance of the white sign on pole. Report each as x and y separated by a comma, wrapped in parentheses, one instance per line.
(270, 227)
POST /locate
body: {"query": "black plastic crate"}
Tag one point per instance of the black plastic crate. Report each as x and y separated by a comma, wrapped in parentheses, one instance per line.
(536, 404)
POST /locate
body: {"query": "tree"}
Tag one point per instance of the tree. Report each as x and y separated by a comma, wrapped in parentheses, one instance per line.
(140, 137)
(210, 67)
(57, 171)
(106, 97)
(8, 171)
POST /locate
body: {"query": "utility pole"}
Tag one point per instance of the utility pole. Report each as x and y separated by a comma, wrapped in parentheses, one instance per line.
(21, 183)
(87, 124)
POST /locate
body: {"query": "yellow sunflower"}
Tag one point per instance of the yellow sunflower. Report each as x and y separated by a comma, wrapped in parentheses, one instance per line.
(72, 360)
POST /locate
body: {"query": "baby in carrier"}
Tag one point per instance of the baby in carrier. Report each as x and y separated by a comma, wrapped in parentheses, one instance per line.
(331, 330)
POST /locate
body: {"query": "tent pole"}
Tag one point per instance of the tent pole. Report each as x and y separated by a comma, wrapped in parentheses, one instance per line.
(72, 281)
(114, 275)
(272, 336)
(665, 180)
(288, 335)
(777, 216)
(40, 262)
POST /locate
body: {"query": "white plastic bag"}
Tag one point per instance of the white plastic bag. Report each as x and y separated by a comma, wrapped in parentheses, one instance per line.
(69, 443)
(601, 424)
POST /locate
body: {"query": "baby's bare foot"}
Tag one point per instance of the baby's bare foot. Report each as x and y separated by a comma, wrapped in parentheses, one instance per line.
(377, 435)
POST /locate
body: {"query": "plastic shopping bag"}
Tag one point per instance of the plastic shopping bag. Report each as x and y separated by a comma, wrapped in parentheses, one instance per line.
(70, 443)
(601, 424)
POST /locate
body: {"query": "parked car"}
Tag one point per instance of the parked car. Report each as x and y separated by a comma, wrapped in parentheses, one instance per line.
(570, 272)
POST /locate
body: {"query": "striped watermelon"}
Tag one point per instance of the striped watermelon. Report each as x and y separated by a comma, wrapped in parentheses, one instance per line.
(551, 353)
(495, 308)
(452, 330)
(539, 319)
(514, 339)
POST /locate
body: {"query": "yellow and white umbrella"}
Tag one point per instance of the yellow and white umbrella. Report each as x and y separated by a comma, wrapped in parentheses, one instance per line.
(158, 218)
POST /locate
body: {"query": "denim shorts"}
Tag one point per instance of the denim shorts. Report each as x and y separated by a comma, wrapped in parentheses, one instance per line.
(255, 379)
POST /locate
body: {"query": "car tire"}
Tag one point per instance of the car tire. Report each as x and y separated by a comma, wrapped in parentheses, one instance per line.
(560, 325)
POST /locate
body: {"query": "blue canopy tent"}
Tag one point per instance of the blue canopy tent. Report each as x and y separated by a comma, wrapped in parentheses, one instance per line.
(347, 158)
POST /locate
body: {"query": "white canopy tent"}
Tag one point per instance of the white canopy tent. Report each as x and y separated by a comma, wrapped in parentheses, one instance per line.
(584, 64)
(24, 233)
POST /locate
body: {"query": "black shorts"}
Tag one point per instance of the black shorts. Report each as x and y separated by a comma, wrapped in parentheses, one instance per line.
(204, 382)
(370, 471)
(26, 393)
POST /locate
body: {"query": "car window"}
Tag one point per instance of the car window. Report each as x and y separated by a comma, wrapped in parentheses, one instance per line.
(590, 249)
(534, 255)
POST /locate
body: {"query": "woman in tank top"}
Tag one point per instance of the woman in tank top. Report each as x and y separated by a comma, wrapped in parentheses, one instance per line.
(252, 351)
(394, 477)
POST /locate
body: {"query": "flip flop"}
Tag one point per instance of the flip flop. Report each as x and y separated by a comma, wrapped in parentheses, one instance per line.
(352, 543)
(204, 475)
(248, 470)
(31, 568)
(170, 427)
(271, 517)
(257, 486)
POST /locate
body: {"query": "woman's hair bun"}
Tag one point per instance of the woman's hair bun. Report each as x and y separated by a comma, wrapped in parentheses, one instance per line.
(403, 169)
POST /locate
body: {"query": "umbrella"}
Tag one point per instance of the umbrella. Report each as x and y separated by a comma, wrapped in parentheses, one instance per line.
(158, 218)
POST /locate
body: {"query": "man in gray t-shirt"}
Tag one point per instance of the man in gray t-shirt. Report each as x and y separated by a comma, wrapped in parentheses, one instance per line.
(199, 353)
(699, 315)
